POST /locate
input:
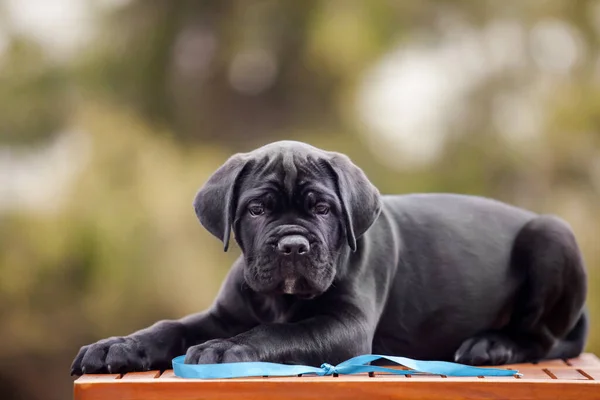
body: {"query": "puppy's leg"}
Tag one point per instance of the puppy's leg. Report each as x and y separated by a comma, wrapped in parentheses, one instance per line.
(572, 345)
(156, 346)
(548, 318)
(150, 348)
(337, 331)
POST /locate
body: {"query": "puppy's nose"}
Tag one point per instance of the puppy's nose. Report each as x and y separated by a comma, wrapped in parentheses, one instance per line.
(292, 245)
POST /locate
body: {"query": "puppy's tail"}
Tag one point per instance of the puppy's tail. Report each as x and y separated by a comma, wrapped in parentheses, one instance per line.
(573, 344)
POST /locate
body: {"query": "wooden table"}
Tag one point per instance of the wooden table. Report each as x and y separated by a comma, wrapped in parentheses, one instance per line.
(559, 380)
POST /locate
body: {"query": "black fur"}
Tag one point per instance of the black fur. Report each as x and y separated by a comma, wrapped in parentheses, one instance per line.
(427, 276)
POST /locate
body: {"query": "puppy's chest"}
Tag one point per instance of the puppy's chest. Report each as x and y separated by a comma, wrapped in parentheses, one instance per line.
(279, 310)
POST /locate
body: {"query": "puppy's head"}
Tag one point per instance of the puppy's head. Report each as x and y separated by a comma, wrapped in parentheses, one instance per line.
(294, 210)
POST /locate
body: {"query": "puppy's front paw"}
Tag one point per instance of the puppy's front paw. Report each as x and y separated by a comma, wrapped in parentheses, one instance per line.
(220, 351)
(112, 355)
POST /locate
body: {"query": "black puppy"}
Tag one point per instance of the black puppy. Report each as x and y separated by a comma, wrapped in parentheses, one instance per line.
(331, 269)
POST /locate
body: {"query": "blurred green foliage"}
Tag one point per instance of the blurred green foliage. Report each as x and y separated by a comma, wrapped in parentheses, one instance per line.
(34, 94)
(161, 96)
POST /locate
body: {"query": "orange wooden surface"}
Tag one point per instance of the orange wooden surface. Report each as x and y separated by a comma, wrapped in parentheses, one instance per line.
(569, 379)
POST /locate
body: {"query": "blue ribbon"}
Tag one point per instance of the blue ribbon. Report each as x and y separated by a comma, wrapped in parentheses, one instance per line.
(354, 365)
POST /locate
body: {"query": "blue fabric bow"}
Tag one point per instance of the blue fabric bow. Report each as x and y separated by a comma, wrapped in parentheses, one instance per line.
(354, 365)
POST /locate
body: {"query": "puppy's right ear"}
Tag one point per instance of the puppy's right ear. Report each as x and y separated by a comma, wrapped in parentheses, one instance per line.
(216, 201)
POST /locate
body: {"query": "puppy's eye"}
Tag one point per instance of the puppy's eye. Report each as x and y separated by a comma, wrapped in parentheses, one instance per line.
(256, 209)
(322, 209)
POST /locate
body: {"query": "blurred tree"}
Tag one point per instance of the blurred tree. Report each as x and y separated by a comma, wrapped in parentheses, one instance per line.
(35, 94)
(214, 70)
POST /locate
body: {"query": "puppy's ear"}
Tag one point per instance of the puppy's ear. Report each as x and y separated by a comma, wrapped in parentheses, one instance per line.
(216, 201)
(360, 199)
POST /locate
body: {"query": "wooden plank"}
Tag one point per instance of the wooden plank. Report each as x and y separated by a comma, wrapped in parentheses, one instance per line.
(295, 388)
(566, 373)
(552, 363)
(393, 366)
(401, 377)
(585, 360)
(92, 378)
(553, 379)
(533, 372)
(139, 376)
(424, 376)
(168, 374)
(593, 373)
(542, 364)
(529, 372)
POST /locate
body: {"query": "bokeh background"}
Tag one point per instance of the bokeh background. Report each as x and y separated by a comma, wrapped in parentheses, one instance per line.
(113, 113)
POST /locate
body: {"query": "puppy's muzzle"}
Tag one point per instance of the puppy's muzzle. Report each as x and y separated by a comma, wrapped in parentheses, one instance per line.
(293, 246)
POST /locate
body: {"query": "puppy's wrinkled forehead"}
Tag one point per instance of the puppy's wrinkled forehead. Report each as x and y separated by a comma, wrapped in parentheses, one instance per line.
(289, 168)
(292, 168)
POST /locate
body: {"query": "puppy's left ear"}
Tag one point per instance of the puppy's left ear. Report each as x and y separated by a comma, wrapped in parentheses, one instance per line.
(216, 201)
(361, 201)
